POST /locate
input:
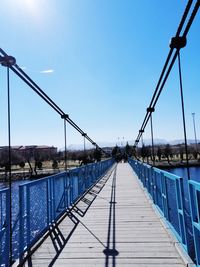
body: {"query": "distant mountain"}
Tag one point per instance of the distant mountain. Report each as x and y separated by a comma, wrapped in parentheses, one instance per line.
(147, 142)
(181, 141)
(171, 142)
(156, 141)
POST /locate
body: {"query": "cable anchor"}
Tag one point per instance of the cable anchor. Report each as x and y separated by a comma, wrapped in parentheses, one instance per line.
(149, 109)
(178, 42)
(65, 116)
(7, 61)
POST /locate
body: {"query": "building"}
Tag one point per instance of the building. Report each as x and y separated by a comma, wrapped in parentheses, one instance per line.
(31, 152)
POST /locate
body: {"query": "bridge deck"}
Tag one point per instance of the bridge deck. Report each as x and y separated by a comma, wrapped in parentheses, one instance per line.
(113, 225)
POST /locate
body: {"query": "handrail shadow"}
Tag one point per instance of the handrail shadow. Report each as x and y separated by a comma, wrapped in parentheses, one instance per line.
(110, 250)
(55, 234)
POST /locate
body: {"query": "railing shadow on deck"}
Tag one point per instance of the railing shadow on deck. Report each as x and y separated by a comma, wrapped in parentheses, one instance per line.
(110, 250)
(58, 238)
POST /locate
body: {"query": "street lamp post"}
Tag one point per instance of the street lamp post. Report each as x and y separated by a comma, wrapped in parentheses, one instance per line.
(195, 136)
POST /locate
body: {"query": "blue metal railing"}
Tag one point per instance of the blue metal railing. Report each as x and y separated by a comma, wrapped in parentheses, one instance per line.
(41, 203)
(4, 225)
(194, 188)
(55, 194)
(167, 192)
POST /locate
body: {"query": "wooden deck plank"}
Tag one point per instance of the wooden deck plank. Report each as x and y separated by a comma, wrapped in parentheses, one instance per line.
(119, 229)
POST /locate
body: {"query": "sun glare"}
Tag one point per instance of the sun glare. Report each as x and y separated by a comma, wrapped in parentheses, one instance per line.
(30, 3)
(32, 6)
(38, 12)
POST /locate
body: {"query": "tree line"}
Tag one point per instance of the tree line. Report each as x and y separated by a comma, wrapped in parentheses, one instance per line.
(162, 152)
(145, 153)
(35, 160)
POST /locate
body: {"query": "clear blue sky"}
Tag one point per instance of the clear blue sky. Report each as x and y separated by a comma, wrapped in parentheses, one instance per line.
(99, 60)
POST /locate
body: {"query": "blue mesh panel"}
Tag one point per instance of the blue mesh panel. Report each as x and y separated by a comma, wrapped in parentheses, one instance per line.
(172, 204)
(59, 194)
(38, 205)
(159, 191)
(4, 194)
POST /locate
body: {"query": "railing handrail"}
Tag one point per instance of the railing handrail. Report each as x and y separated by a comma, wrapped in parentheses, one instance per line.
(196, 184)
(61, 173)
(3, 190)
(168, 174)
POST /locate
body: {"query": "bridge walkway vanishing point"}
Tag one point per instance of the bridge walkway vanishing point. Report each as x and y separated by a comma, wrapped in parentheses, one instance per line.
(114, 224)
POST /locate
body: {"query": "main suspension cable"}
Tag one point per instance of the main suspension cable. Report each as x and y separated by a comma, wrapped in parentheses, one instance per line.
(23, 76)
(171, 58)
(183, 114)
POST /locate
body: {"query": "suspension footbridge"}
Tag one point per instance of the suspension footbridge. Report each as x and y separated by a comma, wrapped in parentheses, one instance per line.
(105, 213)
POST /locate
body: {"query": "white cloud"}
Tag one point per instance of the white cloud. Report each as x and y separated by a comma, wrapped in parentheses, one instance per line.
(47, 71)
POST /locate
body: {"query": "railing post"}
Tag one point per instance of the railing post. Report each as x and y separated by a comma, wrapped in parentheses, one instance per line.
(8, 224)
(155, 188)
(153, 184)
(28, 225)
(181, 211)
(93, 173)
(71, 189)
(79, 182)
(86, 176)
(148, 180)
(144, 176)
(164, 196)
(194, 190)
(22, 216)
(51, 198)
(48, 203)
(68, 188)
(66, 192)
(63, 190)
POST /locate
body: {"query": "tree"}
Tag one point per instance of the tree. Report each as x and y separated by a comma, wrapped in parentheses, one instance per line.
(55, 164)
(15, 158)
(73, 156)
(39, 164)
(195, 154)
(145, 152)
(116, 153)
(97, 154)
(159, 153)
(168, 152)
(181, 152)
(128, 150)
(22, 164)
